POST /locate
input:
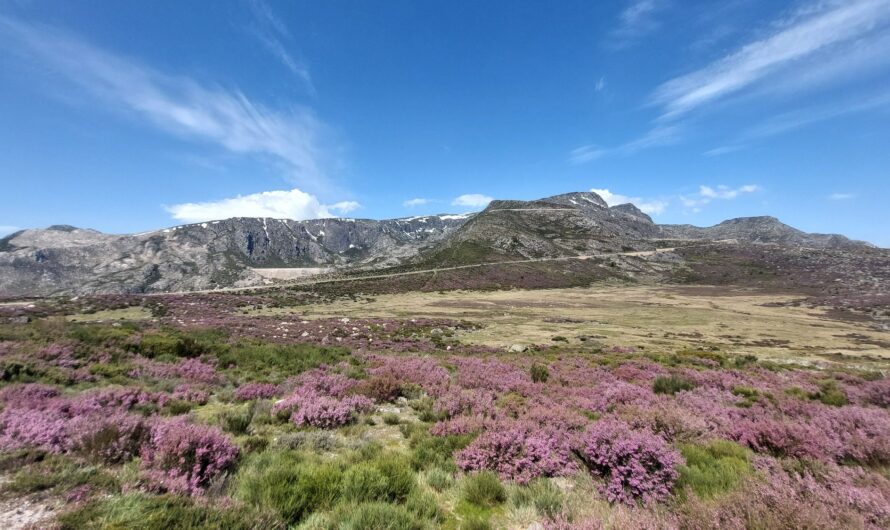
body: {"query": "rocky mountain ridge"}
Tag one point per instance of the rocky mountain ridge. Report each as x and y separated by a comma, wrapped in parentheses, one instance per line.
(67, 260)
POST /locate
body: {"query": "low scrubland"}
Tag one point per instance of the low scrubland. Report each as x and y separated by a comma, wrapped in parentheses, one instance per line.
(391, 424)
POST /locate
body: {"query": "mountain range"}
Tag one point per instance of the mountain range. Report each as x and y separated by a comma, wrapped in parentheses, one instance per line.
(64, 260)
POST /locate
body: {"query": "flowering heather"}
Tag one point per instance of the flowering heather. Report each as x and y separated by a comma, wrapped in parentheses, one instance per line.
(320, 400)
(491, 374)
(252, 391)
(192, 394)
(28, 393)
(457, 401)
(636, 465)
(194, 370)
(424, 372)
(112, 439)
(519, 452)
(182, 457)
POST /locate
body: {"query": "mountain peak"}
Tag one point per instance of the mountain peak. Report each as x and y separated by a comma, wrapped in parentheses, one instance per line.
(581, 199)
(632, 210)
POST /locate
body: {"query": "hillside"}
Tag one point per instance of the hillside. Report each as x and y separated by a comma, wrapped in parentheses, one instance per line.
(67, 260)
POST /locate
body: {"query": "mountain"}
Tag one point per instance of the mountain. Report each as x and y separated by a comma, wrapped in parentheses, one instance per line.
(67, 260)
(763, 229)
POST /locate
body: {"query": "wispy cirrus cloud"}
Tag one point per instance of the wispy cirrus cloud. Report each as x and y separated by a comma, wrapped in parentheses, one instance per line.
(272, 33)
(638, 18)
(280, 204)
(842, 196)
(175, 103)
(820, 31)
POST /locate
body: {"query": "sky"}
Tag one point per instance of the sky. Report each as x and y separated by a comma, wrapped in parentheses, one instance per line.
(131, 116)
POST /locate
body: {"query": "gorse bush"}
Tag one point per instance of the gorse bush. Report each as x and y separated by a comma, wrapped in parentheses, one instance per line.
(483, 489)
(671, 384)
(713, 469)
(636, 465)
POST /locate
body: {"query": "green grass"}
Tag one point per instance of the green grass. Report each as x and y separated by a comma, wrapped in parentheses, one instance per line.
(484, 489)
(286, 484)
(713, 469)
(436, 451)
(671, 384)
(262, 362)
(147, 512)
(60, 474)
(541, 494)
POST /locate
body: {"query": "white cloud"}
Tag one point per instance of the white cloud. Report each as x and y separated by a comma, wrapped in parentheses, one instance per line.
(649, 206)
(586, 153)
(5, 230)
(473, 200)
(842, 196)
(270, 30)
(821, 30)
(345, 206)
(600, 84)
(176, 103)
(411, 203)
(635, 20)
(282, 204)
(657, 136)
(707, 194)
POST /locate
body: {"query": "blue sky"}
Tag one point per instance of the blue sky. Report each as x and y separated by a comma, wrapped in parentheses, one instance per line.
(129, 116)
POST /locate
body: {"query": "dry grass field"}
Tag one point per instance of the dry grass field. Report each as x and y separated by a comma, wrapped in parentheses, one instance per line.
(733, 320)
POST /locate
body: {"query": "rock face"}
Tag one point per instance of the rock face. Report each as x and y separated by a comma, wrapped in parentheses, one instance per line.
(69, 260)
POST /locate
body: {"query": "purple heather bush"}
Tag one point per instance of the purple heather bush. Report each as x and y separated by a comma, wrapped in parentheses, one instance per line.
(183, 457)
(191, 393)
(424, 372)
(519, 452)
(252, 391)
(636, 465)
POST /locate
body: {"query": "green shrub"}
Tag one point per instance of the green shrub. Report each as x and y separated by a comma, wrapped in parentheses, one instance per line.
(424, 505)
(559, 338)
(60, 474)
(400, 477)
(235, 421)
(391, 418)
(714, 468)
(375, 516)
(542, 494)
(364, 483)
(830, 394)
(162, 513)
(436, 451)
(439, 479)
(100, 335)
(484, 489)
(280, 481)
(263, 362)
(671, 384)
(539, 373)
